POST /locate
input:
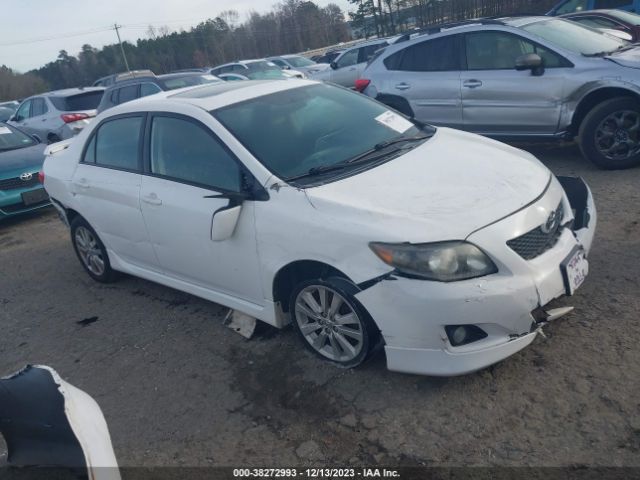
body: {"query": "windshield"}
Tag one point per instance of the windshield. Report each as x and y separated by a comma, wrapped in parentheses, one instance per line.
(574, 37)
(299, 61)
(10, 138)
(304, 128)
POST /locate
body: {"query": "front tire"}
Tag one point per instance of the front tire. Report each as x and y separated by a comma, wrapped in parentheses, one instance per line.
(332, 323)
(91, 251)
(610, 134)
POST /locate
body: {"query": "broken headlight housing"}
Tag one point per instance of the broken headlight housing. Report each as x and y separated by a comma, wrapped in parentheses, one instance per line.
(441, 261)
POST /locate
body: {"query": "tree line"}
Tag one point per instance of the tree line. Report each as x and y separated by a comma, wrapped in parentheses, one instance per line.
(291, 26)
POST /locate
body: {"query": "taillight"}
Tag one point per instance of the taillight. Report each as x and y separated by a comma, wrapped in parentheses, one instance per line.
(41, 177)
(361, 84)
(73, 117)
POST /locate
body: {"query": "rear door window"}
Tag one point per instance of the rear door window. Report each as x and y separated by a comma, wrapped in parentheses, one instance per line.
(365, 53)
(39, 107)
(438, 55)
(118, 143)
(128, 93)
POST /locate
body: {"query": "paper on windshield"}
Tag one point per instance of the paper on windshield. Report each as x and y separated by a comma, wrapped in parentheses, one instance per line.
(394, 121)
(4, 130)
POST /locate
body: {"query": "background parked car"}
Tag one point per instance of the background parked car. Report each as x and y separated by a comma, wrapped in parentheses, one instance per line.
(127, 90)
(571, 6)
(58, 115)
(111, 79)
(300, 63)
(519, 77)
(349, 65)
(21, 158)
(254, 70)
(6, 113)
(618, 20)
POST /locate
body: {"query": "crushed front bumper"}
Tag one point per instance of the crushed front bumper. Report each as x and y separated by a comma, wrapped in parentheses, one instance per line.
(412, 314)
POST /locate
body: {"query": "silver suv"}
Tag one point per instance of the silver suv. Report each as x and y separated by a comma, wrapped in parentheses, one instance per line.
(518, 78)
(58, 115)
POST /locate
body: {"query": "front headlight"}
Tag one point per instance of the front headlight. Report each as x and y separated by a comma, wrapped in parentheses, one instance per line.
(441, 261)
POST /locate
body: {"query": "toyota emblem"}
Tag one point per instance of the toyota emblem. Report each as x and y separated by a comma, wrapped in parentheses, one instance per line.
(25, 177)
(552, 223)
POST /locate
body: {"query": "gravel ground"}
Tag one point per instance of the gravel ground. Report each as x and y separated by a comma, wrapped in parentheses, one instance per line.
(179, 388)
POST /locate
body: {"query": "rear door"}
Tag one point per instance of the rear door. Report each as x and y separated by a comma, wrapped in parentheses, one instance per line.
(106, 185)
(497, 99)
(427, 75)
(188, 173)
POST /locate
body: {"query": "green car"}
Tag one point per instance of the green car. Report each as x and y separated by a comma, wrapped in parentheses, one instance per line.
(21, 159)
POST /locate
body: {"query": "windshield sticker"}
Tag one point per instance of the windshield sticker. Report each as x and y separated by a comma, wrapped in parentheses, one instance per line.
(394, 121)
(4, 130)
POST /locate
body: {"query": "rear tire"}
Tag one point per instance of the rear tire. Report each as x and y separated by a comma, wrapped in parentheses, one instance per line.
(332, 323)
(91, 251)
(609, 135)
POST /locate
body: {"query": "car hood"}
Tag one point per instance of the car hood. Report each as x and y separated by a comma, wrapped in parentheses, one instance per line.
(29, 158)
(445, 189)
(628, 58)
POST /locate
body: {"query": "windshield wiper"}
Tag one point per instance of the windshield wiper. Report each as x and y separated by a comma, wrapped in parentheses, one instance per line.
(609, 52)
(364, 157)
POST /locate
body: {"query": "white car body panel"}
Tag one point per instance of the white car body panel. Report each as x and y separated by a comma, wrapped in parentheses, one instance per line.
(455, 186)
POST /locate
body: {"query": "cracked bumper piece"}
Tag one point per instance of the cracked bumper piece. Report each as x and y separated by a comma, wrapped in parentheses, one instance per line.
(412, 314)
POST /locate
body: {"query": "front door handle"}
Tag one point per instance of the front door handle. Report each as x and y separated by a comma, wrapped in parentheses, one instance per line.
(152, 199)
(403, 86)
(472, 83)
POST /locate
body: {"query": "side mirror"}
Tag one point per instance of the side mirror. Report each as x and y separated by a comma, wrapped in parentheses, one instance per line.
(224, 223)
(333, 65)
(13, 119)
(530, 61)
(37, 138)
(287, 67)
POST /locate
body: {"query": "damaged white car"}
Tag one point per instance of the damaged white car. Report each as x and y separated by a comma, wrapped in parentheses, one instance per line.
(304, 202)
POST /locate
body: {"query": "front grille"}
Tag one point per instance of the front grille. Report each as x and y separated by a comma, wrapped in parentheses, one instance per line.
(537, 241)
(15, 182)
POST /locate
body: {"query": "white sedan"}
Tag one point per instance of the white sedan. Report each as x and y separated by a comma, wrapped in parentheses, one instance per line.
(302, 202)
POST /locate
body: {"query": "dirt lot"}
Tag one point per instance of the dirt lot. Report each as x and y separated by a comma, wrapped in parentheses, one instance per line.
(178, 388)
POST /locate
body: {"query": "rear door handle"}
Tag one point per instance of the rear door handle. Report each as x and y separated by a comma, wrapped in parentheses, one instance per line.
(472, 83)
(403, 86)
(152, 199)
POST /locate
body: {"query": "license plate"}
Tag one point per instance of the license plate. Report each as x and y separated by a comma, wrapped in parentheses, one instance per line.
(575, 269)
(34, 196)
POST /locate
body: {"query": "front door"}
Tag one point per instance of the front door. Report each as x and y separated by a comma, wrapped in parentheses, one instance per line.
(187, 168)
(21, 117)
(346, 71)
(497, 99)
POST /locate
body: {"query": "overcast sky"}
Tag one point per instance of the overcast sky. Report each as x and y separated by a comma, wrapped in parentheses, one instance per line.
(69, 24)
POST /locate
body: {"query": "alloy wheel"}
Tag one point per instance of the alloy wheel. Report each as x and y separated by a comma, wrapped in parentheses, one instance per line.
(329, 324)
(89, 250)
(618, 135)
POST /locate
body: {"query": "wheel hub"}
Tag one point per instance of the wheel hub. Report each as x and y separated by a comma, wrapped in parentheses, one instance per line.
(621, 135)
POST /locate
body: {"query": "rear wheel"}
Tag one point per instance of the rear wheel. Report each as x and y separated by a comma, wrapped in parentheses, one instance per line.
(610, 134)
(332, 323)
(91, 251)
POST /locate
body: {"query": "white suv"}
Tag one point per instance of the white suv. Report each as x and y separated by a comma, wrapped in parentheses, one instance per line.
(307, 203)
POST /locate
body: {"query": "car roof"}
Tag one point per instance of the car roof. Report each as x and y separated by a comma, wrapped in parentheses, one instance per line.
(211, 96)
